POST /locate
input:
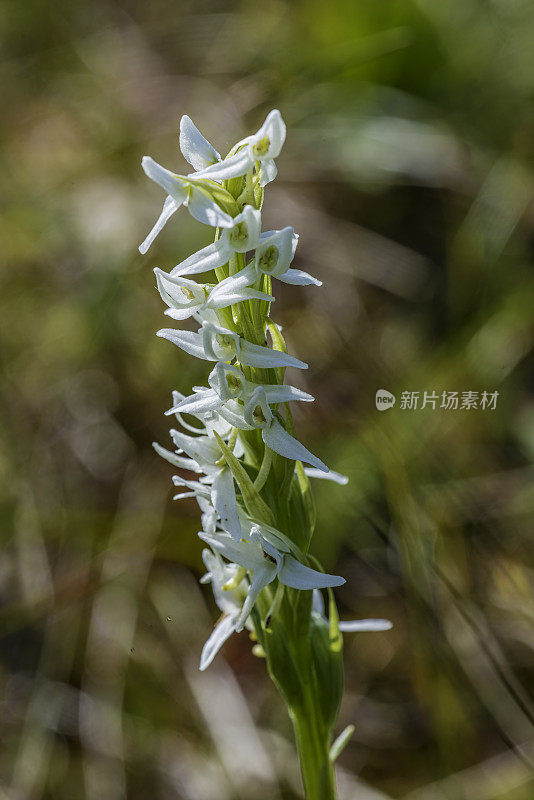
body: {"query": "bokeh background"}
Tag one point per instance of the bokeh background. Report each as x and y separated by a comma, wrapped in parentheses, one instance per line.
(407, 172)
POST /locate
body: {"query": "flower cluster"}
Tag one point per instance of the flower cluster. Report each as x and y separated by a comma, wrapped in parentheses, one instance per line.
(251, 485)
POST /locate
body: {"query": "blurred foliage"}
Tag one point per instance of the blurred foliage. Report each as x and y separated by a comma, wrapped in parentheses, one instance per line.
(408, 174)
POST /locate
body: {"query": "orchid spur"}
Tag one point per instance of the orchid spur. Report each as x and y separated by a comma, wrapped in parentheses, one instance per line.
(244, 464)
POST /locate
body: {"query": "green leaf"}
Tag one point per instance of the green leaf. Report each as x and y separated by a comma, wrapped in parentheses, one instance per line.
(256, 506)
(282, 666)
(327, 654)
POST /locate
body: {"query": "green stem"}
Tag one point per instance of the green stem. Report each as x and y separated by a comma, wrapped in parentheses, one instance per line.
(313, 748)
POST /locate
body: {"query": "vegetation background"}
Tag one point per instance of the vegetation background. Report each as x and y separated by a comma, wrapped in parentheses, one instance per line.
(408, 172)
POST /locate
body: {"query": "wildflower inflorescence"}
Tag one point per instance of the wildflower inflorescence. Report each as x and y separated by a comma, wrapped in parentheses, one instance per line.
(252, 488)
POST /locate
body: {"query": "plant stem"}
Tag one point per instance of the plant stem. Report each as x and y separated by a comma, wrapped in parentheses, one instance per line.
(313, 750)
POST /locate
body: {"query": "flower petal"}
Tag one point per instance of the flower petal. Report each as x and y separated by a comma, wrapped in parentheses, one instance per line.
(198, 403)
(284, 394)
(210, 257)
(221, 632)
(169, 207)
(232, 167)
(175, 460)
(279, 440)
(224, 502)
(241, 553)
(298, 576)
(254, 355)
(361, 625)
(176, 186)
(336, 477)
(187, 340)
(196, 150)
(298, 278)
(261, 577)
(269, 171)
(204, 209)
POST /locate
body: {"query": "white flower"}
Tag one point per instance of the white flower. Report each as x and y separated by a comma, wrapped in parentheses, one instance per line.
(266, 562)
(242, 236)
(261, 148)
(273, 256)
(229, 592)
(213, 343)
(206, 453)
(182, 192)
(186, 298)
(256, 413)
(228, 383)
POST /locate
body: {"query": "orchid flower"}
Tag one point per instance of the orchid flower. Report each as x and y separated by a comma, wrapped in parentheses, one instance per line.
(261, 148)
(265, 563)
(241, 236)
(180, 192)
(273, 256)
(229, 592)
(213, 343)
(186, 298)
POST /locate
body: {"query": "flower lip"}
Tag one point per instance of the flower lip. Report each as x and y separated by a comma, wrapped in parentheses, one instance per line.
(257, 412)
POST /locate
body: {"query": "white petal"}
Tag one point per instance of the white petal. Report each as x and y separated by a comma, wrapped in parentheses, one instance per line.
(296, 575)
(221, 632)
(176, 186)
(284, 394)
(170, 288)
(187, 340)
(198, 489)
(232, 412)
(279, 440)
(251, 218)
(318, 603)
(254, 355)
(196, 150)
(228, 296)
(182, 313)
(280, 245)
(219, 344)
(231, 167)
(240, 280)
(274, 127)
(210, 257)
(169, 207)
(175, 460)
(241, 553)
(269, 171)
(261, 577)
(228, 381)
(298, 278)
(224, 502)
(204, 209)
(198, 403)
(336, 477)
(202, 449)
(361, 625)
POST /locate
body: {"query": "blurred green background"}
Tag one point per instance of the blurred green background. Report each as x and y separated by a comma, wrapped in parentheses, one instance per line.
(407, 172)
